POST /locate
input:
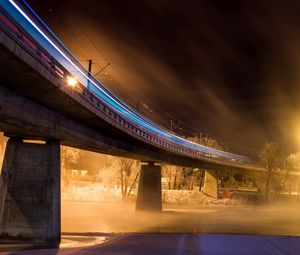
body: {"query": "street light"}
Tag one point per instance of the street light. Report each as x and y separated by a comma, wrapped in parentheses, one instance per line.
(71, 81)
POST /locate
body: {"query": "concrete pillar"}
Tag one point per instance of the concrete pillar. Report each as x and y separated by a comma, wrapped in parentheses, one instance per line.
(149, 196)
(30, 192)
(210, 186)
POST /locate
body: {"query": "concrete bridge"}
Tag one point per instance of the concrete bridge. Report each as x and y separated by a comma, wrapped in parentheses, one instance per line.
(36, 103)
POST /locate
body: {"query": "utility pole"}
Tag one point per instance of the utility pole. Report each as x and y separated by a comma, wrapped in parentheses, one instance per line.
(180, 131)
(137, 105)
(90, 73)
(198, 136)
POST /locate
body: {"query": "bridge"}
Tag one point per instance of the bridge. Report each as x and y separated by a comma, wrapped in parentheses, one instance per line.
(38, 101)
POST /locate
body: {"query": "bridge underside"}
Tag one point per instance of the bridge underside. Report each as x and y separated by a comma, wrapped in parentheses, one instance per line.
(36, 104)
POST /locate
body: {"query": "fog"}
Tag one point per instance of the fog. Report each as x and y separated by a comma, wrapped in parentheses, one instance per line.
(228, 70)
(106, 217)
(98, 205)
(93, 202)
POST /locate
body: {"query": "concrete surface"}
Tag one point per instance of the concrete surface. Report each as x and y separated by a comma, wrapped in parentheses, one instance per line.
(149, 188)
(30, 191)
(76, 117)
(210, 186)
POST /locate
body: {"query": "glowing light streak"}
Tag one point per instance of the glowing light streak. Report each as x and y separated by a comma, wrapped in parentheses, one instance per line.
(114, 101)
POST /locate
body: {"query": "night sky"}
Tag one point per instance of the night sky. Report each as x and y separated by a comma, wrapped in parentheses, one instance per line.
(229, 69)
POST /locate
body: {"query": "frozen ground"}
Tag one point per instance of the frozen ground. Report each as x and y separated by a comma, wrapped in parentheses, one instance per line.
(96, 192)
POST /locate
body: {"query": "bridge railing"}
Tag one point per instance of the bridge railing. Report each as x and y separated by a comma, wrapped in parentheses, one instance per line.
(45, 47)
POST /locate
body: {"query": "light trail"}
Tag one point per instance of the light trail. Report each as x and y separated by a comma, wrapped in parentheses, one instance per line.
(81, 74)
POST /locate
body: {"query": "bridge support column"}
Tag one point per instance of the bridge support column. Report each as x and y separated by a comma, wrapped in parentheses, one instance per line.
(30, 192)
(210, 186)
(149, 197)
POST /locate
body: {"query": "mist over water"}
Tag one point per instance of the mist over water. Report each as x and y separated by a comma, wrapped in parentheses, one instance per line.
(95, 205)
(277, 219)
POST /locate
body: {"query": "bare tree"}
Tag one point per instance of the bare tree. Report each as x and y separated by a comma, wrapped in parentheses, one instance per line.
(129, 172)
(178, 177)
(206, 141)
(200, 173)
(181, 177)
(269, 157)
(69, 156)
(293, 163)
(171, 173)
(186, 178)
(109, 173)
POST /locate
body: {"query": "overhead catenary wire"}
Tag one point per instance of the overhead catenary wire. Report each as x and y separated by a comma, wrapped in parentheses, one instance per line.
(189, 128)
(165, 123)
(109, 63)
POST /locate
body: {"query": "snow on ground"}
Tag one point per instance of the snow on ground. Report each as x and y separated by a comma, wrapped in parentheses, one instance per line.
(96, 192)
(90, 191)
(186, 197)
